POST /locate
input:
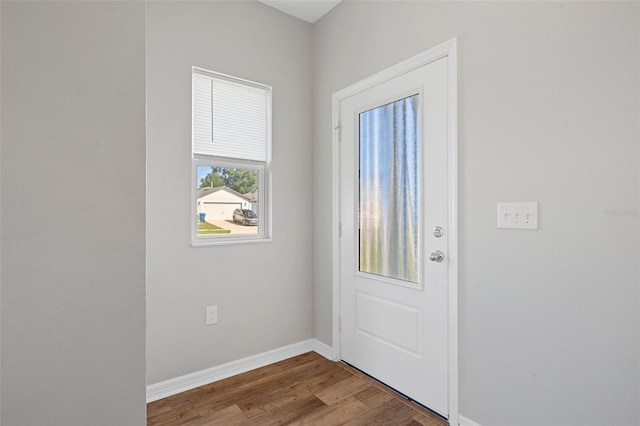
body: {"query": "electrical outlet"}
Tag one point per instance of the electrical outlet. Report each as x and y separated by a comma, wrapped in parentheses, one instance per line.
(211, 315)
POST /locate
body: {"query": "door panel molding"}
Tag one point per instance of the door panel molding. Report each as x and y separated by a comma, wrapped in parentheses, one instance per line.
(403, 339)
(447, 49)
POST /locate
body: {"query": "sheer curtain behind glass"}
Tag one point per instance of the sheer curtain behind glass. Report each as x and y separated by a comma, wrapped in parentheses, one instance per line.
(389, 190)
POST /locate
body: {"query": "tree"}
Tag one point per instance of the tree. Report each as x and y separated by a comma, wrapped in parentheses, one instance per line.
(212, 180)
(239, 180)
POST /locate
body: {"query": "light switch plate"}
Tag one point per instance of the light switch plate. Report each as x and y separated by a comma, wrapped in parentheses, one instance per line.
(518, 215)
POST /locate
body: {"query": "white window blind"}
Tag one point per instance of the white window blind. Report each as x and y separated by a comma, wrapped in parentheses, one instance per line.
(230, 119)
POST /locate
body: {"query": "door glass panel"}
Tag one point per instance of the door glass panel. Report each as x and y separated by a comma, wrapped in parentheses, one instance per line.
(389, 193)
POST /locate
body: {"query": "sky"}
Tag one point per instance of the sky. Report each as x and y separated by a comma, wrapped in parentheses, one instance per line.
(202, 172)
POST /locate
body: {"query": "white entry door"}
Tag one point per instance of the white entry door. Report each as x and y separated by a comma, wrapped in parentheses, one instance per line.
(394, 214)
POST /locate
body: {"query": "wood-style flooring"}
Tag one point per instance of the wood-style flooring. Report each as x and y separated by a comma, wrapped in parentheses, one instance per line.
(304, 390)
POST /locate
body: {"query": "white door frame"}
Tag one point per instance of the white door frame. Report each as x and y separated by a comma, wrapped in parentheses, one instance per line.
(447, 49)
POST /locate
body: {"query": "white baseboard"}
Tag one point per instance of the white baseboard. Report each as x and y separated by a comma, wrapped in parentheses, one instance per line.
(189, 381)
(323, 349)
(463, 421)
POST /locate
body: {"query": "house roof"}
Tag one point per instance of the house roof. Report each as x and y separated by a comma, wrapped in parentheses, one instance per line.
(252, 196)
(208, 190)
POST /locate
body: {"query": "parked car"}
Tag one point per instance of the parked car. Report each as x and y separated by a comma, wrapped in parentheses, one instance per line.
(245, 216)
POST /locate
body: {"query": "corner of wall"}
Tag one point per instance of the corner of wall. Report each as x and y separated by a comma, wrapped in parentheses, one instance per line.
(637, 11)
(0, 212)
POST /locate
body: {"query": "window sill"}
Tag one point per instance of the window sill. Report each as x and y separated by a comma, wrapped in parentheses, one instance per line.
(229, 241)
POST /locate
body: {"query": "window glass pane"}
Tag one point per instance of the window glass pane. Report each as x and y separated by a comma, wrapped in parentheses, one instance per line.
(389, 210)
(227, 201)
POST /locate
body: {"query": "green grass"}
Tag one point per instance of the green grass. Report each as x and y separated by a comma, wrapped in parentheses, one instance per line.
(205, 228)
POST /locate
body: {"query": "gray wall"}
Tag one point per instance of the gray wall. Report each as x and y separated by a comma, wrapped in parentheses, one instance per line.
(549, 109)
(548, 112)
(73, 230)
(262, 290)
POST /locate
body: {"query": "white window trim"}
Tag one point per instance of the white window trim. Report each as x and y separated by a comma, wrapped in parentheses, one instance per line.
(264, 180)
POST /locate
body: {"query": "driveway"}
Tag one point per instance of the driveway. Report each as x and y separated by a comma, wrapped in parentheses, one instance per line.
(235, 228)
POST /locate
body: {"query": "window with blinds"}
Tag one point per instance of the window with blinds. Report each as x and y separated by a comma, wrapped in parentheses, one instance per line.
(231, 158)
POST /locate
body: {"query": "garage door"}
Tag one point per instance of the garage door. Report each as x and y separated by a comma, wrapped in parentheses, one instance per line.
(216, 211)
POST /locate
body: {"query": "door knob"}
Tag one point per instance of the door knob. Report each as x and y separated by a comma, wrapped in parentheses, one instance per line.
(436, 256)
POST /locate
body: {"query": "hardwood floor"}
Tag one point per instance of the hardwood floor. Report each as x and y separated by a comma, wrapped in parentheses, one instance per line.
(304, 390)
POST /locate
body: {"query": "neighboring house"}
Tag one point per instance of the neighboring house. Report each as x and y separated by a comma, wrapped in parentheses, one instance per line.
(219, 203)
(253, 199)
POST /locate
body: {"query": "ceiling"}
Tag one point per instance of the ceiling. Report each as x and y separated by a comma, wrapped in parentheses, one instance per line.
(307, 10)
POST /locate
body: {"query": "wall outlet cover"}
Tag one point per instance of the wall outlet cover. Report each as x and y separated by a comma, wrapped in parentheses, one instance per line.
(211, 316)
